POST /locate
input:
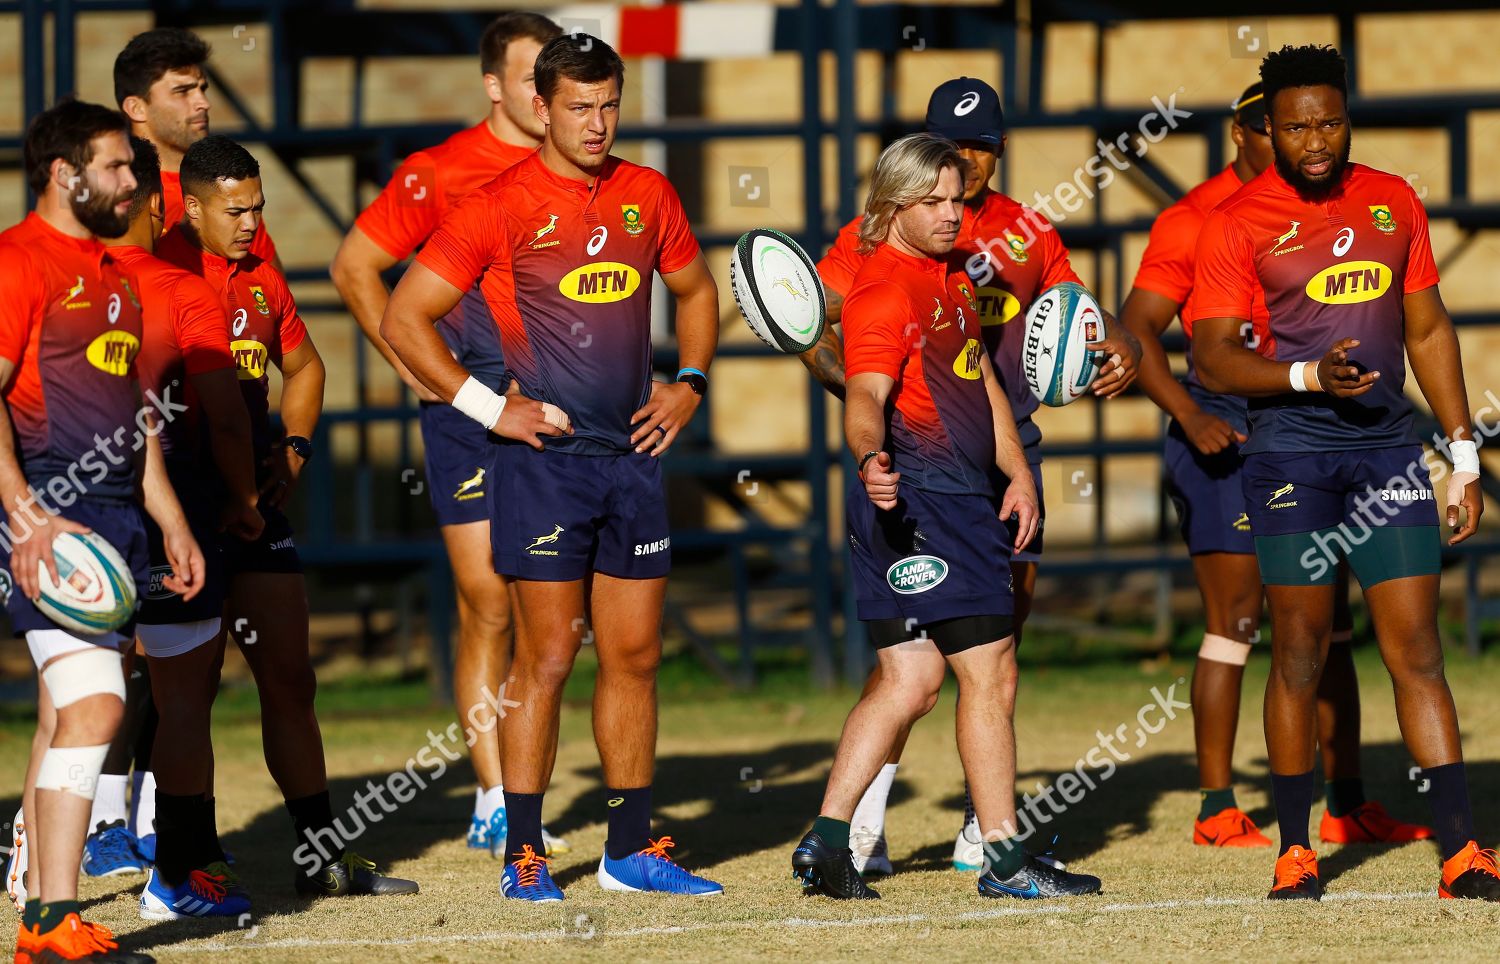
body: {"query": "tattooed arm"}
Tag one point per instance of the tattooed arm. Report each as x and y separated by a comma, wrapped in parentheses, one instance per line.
(825, 360)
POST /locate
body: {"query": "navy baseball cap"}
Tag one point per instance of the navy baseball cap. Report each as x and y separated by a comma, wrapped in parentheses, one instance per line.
(966, 110)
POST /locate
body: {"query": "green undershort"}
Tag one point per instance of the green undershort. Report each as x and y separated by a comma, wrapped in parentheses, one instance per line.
(1375, 554)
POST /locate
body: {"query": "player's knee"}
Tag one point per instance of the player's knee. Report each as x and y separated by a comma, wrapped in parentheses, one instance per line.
(487, 618)
(1298, 669)
(549, 670)
(289, 684)
(641, 662)
(1419, 662)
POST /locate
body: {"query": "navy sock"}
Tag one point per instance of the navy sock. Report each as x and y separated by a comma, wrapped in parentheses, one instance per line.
(523, 817)
(1293, 795)
(629, 821)
(1213, 802)
(1452, 818)
(1344, 796)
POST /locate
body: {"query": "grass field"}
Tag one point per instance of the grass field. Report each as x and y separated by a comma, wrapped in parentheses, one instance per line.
(739, 779)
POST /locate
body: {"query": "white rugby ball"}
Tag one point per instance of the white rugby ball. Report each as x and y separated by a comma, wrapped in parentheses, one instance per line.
(778, 290)
(95, 593)
(1059, 366)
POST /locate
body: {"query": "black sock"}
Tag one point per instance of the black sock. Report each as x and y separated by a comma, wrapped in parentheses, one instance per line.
(211, 844)
(835, 833)
(629, 821)
(1212, 802)
(50, 915)
(1293, 796)
(1344, 795)
(1451, 816)
(523, 821)
(205, 841)
(312, 816)
(176, 835)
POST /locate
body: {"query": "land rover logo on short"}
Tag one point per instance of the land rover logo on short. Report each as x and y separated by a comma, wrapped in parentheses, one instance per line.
(916, 574)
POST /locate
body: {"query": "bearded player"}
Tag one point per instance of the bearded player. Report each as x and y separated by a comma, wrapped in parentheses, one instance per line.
(563, 245)
(1202, 463)
(1332, 467)
(421, 192)
(70, 329)
(1011, 254)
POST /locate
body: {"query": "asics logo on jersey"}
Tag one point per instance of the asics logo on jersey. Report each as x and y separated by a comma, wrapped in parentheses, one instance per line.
(966, 104)
(74, 292)
(1286, 237)
(241, 319)
(1285, 490)
(597, 239)
(546, 540)
(544, 231)
(112, 312)
(466, 488)
(1350, 283)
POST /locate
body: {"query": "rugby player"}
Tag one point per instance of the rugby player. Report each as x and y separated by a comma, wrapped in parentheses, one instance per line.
(267, 599)
(930, 424)
(423, 189)
(1202, 463)
(185, 359)
(563, 245)
(160, 85)
(1332, 467)
(1012, 254)
(70, 329)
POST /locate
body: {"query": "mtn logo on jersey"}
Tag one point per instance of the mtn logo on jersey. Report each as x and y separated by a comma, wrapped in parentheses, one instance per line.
(1384, 220)
(996, 306)
(113, 351)
(1285, 490)
(966, 365)
(260, 300)
(1284, 239)
(916, 574)
(249, 358)
(1350, 282)
(70, 301)
(542, 232)
(600, 283)
(631, 215)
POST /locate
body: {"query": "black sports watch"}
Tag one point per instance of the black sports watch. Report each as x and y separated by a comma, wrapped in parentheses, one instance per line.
(301, 446)
(694, 379)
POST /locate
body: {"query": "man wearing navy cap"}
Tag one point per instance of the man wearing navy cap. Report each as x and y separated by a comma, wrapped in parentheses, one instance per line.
(1012, 254)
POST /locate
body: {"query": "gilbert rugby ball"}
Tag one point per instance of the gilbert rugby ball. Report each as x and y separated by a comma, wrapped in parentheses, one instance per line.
(95, 593)
(1058, 365)
(778, 290)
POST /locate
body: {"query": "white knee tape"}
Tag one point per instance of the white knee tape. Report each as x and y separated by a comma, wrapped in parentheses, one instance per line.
(72, 769)
(83, 674)
(1222, 649)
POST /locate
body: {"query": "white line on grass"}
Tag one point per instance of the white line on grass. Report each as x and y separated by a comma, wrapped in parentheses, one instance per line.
(560, 933)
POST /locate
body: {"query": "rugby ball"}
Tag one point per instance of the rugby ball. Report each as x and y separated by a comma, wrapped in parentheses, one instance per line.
(95, 593)
(778, 290)
(1054, 356)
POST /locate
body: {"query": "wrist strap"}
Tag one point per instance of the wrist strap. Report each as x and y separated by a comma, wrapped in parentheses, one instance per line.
(479, 403)
(1465, 455)
(1299, 378)
(865, 459)
(691, 371)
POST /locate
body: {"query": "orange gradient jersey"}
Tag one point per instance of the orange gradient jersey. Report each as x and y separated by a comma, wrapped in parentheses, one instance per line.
(186, 334)
(71, 325)
(915, 320)
(1330, 269)
(414, 202)
(1011, 254)
(1167, 269)
(264, 326)
(566, 270)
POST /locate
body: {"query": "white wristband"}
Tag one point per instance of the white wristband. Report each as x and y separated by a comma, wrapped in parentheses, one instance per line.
(1299, 379)
(479, 403)
(1465, 455)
